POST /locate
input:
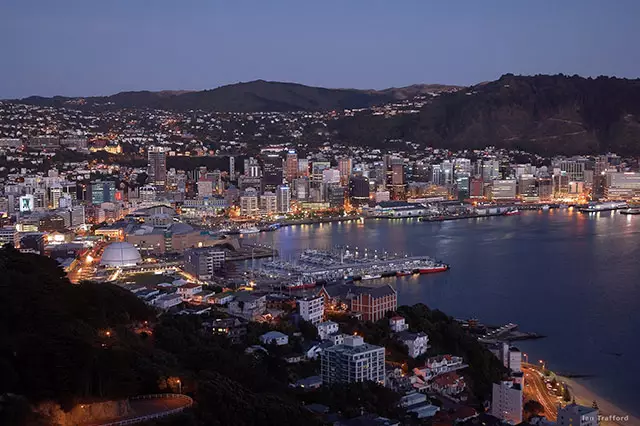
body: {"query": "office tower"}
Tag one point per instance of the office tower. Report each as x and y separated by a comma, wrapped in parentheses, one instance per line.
(157, 167)
(252, 168)
(577, 415)
(462, 167)
(9, 235)
(574, 168)
(506, 402)
(335, 195)
(232, 168)
(202, 262)
(437, 175)
(301, 186)
(503, 189)
(463, 183)
(345, 166)
(353, 361)
(331, 176)
(249, 203)
(359, 190)
(622, 185)
(317, 168)
(272, 172)
(103, 192)
(303, 167)
(205, 188)
(490, 169)
(283, 198)
(291, 166)
(528, 187)
(55, 194)
(447, 172)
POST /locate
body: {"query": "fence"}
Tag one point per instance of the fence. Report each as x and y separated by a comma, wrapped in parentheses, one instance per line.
(145, 418)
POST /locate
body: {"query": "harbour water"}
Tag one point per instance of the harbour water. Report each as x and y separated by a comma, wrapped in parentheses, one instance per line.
(571, 276)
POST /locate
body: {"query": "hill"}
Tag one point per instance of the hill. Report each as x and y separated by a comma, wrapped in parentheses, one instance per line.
(252, 96)
(543, 114)
(62, 345)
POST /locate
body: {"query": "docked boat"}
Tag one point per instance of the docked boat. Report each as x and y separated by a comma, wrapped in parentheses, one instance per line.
(433, 269)
(404, 273)
(512, 212)
(545, 207)
(632, 210)
(371, 277)
(603, 207)
(301, 285)
(250, 230)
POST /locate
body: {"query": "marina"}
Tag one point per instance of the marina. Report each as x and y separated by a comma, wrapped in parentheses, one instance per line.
(313, 267)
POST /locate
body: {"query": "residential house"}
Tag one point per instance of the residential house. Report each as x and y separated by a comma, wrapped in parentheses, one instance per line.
(326, 328)
(274, 337)
(167, 301)
(398, 324)
(188, 290)
(247, 305)
(222, 298)
(416, 343)
(232, 328)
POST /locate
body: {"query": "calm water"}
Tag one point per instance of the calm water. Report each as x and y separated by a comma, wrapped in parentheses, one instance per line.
(567, 275)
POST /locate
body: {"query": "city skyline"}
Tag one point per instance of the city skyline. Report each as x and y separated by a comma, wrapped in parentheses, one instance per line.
(128, 47)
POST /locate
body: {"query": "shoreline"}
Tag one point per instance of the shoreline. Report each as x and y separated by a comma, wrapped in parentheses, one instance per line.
(585, 396)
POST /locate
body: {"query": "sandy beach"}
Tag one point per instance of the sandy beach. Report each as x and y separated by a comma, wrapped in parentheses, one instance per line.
(584, 396)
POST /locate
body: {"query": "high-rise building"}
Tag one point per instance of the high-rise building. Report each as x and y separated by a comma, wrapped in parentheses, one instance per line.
(205, 188)
(303, 167)
(506, 402)
(232, 168)
(317, 168)
(283, 198)
(157, 167)
(330, 176)
(252, 168)
(490, 169)
(103, 192)
(9, 235)
(353, 361)
(345, 166)
(335, 196)
(359, 190)
(249, 203)
(268, 203)
(291, 166)
(503, 189)
(527, 187)
(272, 172)
(577, 415)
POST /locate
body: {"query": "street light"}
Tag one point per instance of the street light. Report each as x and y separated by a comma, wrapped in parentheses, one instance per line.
(179, 386)
(526, 358)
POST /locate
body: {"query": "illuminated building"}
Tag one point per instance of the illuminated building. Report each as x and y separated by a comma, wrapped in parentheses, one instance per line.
(359, 190)
(353, 361)
(157, 167)
(291, 166)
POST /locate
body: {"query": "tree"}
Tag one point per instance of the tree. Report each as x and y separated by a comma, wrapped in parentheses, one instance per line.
(533, 408)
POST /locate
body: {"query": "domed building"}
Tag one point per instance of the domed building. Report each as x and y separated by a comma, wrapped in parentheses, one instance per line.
(120, 254)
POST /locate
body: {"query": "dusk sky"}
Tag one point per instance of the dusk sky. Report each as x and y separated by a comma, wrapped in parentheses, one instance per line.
(80, 48)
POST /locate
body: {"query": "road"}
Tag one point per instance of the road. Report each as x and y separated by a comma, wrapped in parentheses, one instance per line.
(536, 388)
(143, 409)
(83, 269)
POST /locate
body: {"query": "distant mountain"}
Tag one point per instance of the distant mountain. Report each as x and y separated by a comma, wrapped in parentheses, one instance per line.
(253, 96)
(543, 114)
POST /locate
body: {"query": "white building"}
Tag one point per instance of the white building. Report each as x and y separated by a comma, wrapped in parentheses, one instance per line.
(274, 337)
(416, 343)
(503, 189)
(312, 309)
(9, 235)
(506, 402)
(268, 203)
(249, 203)
(353, 361)
(398, 324)
(577, 415)
(326, 329)
(511, 357)
(189, 290)
(167, 301)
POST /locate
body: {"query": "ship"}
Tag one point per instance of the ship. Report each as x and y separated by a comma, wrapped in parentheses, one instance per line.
(301, 285)
(249, 230)
(512, 212)
(441, 267)
(404, 273)
(545, 207)
(603, 207)
(371, 277)
(631, 210)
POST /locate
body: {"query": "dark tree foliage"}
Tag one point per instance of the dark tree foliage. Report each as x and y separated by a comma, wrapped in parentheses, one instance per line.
(76, 343)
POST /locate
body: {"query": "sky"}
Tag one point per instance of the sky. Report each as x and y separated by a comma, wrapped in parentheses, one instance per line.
(85, 47)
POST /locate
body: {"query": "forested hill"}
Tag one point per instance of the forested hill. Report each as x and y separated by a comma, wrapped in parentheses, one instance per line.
(542, 114)
(258, 95)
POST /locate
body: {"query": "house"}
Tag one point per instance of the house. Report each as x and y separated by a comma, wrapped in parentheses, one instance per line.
(315, 349)
(312, 382)
(439, 365)
(222, 298)
(337, 339)
(188, 290)
(417, 403)
(247, 305)
(447, 384)
(417, 343)
(167, 301)
(312, 309)
(204, 296)
(274, 337)
(232, 328)
(293, 358)
(397, 324)
(326, 328)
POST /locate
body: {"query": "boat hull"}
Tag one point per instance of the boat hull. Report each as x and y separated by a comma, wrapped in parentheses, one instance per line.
(433, 270)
